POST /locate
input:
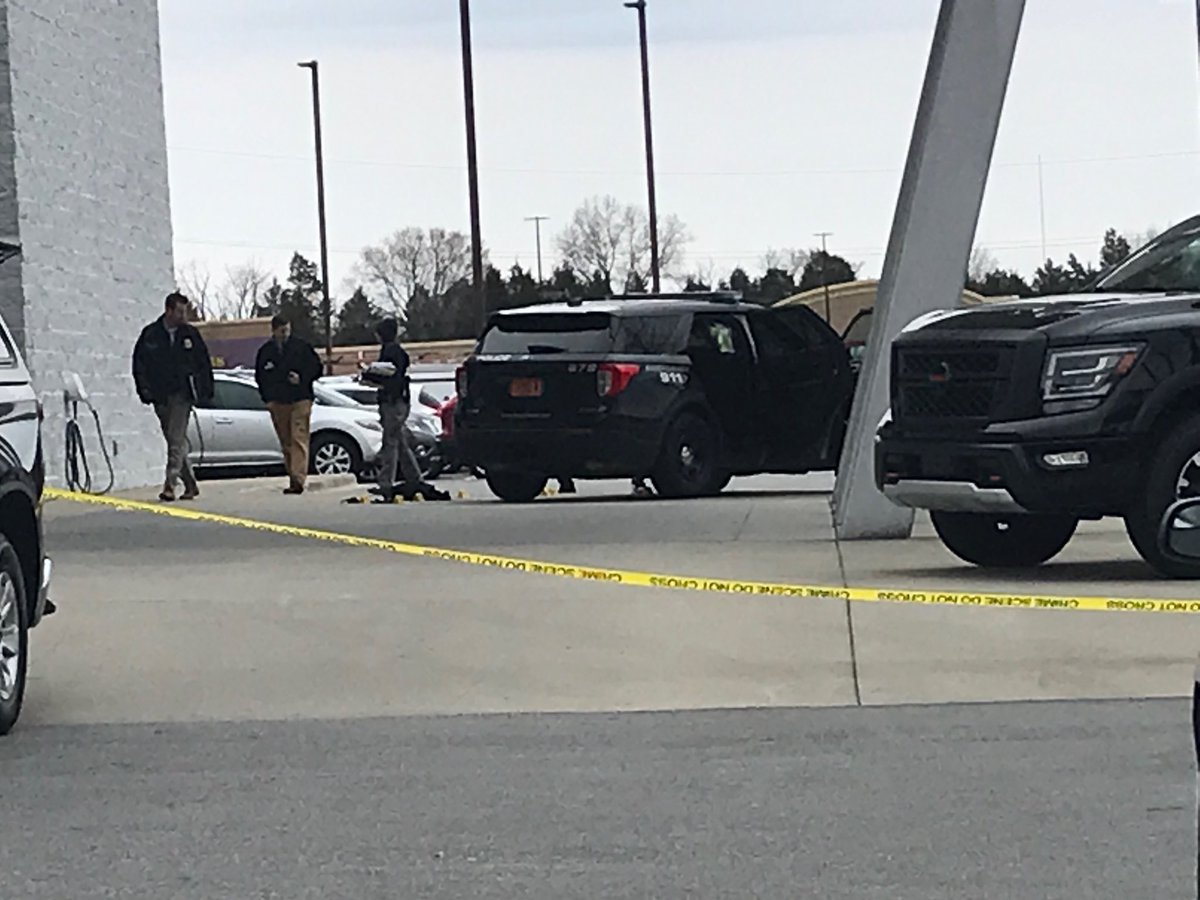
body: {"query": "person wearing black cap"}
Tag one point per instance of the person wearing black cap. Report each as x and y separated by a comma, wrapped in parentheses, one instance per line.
(392, 380)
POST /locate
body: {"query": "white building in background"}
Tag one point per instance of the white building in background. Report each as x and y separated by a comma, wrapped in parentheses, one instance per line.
(83, 189)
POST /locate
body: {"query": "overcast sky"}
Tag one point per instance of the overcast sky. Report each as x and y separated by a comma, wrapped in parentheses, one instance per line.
(774, 119)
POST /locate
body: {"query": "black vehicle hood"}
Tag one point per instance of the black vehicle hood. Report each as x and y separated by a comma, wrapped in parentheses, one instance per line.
(1063, 317)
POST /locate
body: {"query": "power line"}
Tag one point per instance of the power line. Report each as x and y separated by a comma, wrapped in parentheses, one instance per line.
(695, 254)
(525, 170)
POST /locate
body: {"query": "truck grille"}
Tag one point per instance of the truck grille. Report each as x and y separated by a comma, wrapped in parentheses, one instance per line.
(955, 386)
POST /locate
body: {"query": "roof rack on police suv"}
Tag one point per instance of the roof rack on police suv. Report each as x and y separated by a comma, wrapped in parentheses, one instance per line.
(694, 297)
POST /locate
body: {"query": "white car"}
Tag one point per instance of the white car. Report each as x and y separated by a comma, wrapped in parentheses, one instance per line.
(234, 431)
(422, 420)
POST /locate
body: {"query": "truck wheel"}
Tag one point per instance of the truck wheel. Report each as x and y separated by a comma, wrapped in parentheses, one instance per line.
(996, 541)
(688, 464)
(1173, 474)
(516, 486)
(14, 638)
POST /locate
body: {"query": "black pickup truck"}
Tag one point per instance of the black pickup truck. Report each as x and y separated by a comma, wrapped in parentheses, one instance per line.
(689, 390)
(1011, 422)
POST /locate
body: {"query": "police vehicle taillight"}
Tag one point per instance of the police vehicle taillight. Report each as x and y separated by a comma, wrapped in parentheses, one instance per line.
(460, 381)
(612, 378)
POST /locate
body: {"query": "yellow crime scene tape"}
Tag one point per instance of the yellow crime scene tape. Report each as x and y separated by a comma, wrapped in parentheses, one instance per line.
(650, 579)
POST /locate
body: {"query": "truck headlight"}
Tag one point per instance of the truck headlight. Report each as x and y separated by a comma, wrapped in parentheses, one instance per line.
(1086, 371)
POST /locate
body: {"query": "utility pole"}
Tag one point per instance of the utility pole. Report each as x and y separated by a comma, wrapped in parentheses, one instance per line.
(824, 281)
(327, 307)
(640, 6)
(464, 13)
(537, 227)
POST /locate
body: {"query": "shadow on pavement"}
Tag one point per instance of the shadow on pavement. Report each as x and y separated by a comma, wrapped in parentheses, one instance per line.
(1116, 571)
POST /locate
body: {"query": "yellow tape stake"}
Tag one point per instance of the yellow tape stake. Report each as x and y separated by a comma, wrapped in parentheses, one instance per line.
(650, 579)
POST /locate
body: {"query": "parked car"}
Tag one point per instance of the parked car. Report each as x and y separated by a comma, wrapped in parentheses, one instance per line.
(688, 389)
(1012, 422)
(424, 424)
(234, 431)
(24, 567)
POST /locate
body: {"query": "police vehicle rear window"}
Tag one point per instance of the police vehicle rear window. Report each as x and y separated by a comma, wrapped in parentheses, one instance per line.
(551, 333)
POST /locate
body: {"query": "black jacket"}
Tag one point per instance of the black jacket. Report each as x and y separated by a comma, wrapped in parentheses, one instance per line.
(162, 369)
(272, 365)
(396, 387)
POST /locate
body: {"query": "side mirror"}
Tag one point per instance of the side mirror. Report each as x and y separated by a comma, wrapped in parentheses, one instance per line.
(1179, 533)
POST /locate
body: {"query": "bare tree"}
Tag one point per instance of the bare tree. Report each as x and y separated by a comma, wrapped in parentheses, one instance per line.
(786, 259)
(414, 260)
(982, 262)
(243, 284)
(449, 259)
(195, 281)
(1139, 239)
(612, 239)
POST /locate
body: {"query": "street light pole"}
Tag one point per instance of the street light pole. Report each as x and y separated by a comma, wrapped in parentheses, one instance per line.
(537, 227)
(327, 307)
(464, 13)
(825, 281)
(640, 6)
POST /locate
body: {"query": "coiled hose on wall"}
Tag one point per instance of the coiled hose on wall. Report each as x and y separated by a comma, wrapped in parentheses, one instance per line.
(78, 470)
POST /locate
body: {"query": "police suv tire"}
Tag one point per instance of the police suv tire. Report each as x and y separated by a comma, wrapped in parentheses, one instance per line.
(1158, 492)
(999, 541)
(11, 574)
(515, 486)
(688, 462)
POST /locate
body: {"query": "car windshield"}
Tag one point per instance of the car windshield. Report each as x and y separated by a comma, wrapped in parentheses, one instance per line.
(549, 333)
(584, 332)
(1170, 262)
(326, 396)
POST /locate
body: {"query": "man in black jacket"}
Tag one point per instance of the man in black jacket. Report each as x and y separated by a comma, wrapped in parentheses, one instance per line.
(173, 372)
(285, 370)
(393, 414)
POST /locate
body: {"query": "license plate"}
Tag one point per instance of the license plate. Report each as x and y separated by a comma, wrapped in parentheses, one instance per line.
(525, 387)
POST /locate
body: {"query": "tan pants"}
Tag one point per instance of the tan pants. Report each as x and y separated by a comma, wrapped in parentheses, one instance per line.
(173, 417)
(291, 422)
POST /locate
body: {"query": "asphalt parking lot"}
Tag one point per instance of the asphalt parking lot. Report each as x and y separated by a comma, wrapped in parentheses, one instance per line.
(270, 677)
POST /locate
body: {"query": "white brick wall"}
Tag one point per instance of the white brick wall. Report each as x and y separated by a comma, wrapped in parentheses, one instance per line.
(92, 209)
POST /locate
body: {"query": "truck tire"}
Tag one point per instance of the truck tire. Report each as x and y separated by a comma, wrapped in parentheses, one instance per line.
(689, 461)
(997, 541)
(515, 486)
(1173, 474)
(14, 636)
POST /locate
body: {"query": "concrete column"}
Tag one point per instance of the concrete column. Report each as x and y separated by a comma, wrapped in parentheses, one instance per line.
(933, 229)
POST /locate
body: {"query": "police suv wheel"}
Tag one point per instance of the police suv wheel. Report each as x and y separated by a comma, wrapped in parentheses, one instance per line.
(513, 486)
(1173, 474)
(997, 541)
(689, 462)
(14, 638)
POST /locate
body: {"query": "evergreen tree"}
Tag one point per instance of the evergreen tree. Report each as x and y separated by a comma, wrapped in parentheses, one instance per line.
(356, 320)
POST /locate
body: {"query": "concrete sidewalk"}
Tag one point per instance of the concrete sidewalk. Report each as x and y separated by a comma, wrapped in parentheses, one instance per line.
(163, 619)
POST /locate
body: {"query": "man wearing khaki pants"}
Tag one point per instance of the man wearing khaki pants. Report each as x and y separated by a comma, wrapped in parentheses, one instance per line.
(285, 370)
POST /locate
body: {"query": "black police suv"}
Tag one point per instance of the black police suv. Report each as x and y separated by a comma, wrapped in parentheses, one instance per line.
(1012, 422)
(687, 389)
